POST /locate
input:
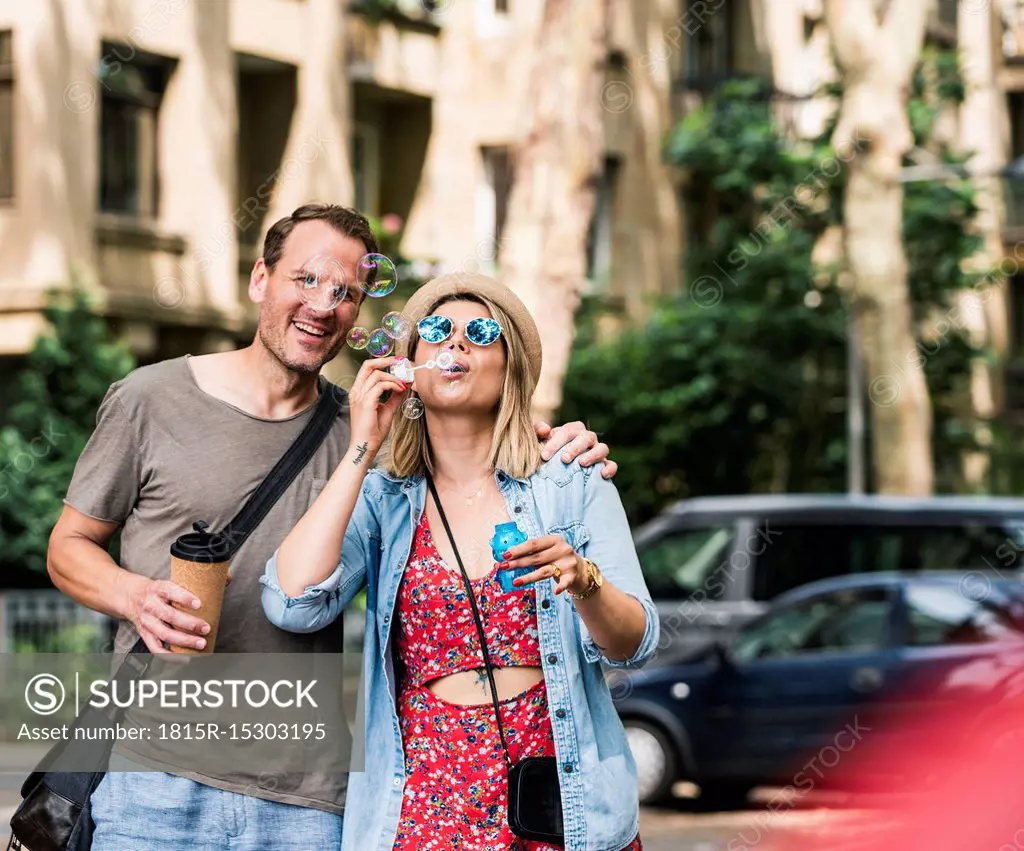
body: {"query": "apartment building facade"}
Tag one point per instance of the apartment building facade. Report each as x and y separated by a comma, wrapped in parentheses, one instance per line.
(146, 145)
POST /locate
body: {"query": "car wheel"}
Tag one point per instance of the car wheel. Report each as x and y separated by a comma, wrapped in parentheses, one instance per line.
(655, 759)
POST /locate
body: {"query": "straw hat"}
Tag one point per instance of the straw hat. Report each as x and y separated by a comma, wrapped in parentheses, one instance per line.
(460, 283)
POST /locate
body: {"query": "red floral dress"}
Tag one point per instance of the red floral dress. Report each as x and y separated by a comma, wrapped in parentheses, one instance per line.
(456, 784)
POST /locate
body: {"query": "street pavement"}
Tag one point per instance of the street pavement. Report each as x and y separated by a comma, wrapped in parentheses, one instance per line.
(681, 829)
(676, 827)
(673, 828)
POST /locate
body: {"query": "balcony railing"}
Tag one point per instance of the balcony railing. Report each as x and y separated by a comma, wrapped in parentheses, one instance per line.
(1013, 30)
(430, 12)
(393, 50)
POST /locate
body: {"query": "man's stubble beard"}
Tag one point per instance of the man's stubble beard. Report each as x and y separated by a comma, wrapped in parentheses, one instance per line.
(277, 349)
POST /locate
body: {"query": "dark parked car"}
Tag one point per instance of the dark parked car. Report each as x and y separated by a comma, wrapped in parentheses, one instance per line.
(713, 564)
(883, 646)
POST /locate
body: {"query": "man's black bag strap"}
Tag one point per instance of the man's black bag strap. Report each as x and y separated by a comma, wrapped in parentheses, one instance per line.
(134, 666)
(242, 525)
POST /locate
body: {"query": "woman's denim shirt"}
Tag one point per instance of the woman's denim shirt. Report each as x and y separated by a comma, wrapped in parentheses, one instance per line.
(597, 772)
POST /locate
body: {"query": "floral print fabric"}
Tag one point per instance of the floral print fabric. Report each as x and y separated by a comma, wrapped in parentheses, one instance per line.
(437, 635)
(456, 781)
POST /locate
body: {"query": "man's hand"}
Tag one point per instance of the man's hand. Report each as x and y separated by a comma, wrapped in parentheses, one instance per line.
(573, 439)
(156, 620)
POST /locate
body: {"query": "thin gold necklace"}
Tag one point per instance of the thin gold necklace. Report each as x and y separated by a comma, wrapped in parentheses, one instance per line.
(469, 500)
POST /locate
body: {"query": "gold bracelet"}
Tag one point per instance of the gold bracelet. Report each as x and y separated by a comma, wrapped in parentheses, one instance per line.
(596, 581)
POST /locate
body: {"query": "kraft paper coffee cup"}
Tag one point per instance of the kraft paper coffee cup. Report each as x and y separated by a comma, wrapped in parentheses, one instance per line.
(198, 564)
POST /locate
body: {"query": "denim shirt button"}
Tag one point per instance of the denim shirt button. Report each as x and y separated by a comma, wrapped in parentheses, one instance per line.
(559, 713)
(568, 768)
(519, 509)
(545, 604)
(398, 781)
(552, 659)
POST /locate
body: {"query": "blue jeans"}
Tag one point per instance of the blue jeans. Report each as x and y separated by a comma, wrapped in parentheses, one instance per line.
(162, 812)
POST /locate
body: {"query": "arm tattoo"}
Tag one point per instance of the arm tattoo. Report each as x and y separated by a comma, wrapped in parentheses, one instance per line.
(362, 447)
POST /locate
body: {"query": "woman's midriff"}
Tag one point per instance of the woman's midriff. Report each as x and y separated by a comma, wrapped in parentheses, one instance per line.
(470, 688)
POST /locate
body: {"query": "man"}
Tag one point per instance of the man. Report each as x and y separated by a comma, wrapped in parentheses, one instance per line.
(191, 438)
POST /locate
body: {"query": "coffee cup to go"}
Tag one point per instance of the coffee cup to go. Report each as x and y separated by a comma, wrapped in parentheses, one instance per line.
(200, 563)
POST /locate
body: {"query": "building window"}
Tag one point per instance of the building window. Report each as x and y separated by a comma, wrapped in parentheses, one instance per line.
(599, 237)
(6, 115)
(133, 87)
(365, 168)
(492, 199)
(708, 58)
(1015, 287)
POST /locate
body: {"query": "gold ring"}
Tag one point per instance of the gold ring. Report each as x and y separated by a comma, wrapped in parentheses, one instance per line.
(556, 571)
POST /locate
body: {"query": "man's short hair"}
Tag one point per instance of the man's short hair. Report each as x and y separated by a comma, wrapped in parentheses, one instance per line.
(345, 220)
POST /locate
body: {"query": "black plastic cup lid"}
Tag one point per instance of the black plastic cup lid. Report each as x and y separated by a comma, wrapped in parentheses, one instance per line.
(201, 546)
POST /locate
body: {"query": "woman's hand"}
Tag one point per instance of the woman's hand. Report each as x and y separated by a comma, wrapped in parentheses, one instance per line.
(370, 416)
(551, 551)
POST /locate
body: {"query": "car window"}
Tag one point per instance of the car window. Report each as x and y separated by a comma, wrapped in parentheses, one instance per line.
(854, 620)
(802, 553)
(970, 546)
(684, 561)
(937, 615)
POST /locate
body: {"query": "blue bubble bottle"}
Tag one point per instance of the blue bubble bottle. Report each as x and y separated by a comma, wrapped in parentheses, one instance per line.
(506, 536)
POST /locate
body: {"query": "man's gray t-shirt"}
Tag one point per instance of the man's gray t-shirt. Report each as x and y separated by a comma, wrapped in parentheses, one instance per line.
(165, 454)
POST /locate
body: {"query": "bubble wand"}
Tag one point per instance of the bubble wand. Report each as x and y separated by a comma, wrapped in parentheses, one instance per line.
(403, 369)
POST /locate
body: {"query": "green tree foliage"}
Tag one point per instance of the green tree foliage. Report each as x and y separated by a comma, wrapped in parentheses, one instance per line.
(51, 414)
(738, 384)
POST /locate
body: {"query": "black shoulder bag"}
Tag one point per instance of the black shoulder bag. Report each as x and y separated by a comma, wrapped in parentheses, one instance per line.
(54, 814)
(534, 792)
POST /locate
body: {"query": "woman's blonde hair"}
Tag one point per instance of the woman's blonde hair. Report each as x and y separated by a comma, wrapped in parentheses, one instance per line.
(515, 448)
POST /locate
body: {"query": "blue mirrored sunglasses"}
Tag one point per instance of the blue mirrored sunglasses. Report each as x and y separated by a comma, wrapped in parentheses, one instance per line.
(480, 332)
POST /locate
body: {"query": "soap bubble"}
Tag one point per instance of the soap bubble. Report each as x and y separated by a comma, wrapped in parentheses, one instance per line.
(322, 285)
(446, 360)
(402, 370)
(396, 325)
(376, 275)
(358, 337)
(380, 343)
(412, 408)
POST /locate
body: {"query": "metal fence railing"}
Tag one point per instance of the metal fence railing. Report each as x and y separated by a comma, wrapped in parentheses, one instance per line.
(47, 621)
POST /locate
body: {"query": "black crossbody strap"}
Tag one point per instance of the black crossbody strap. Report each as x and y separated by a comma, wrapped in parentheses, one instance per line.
(476, 617)
(132, 667)
(242, 525)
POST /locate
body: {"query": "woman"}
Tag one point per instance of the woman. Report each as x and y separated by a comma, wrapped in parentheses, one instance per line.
(435, 775)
